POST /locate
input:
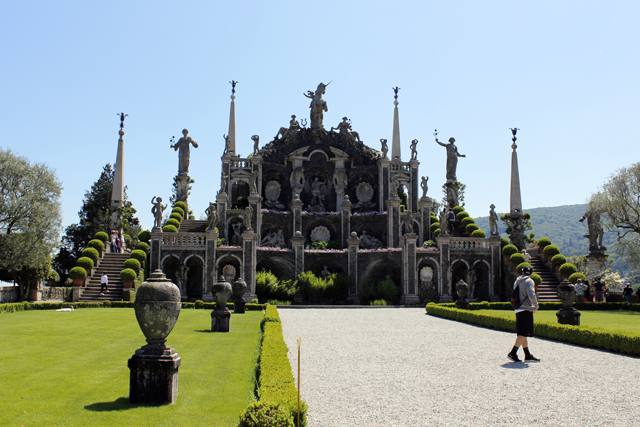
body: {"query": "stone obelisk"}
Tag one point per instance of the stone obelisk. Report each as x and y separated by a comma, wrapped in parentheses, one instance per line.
(516, 201)
(395, 142)
(232, 121)
(117, 194)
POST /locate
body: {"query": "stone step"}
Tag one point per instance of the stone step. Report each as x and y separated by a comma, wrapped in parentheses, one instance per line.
(193, 226)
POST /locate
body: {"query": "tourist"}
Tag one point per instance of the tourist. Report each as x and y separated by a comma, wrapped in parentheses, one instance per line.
(524, 316)
(118, 243)
(627, 292)
(587, 292)
(104, 283)
(598, 287)
(527, 257)
(579, 291)
(112, 240)
(452, 219)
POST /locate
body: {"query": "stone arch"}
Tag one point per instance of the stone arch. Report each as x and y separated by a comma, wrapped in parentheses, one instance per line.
(482, 280)
(195, 277)
(225, 259)
(459, 271)
(280, 267)
(318, 266)
(239, 187)
(426, 290)
(316, 151)
(169, 265)
(380, 269)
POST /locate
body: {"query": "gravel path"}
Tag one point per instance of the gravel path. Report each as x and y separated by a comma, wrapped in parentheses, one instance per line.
(402, 367)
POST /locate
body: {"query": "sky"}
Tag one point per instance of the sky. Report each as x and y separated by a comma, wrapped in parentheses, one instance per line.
(564, 72)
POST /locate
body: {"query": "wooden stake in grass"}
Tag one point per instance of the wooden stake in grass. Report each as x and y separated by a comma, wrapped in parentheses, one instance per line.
(299, 343)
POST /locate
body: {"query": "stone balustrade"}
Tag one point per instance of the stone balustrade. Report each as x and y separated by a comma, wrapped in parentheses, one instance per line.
(399, 167)
(469, 244)
(183, 239)
(240, 164)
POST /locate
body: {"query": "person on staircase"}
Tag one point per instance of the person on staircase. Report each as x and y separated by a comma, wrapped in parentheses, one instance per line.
(104, 283)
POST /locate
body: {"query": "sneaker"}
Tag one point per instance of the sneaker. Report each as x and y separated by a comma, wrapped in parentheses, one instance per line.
(513, 357)
(531, 358)
(101, 293)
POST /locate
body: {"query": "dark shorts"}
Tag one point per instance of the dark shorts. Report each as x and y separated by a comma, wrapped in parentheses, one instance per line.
(524, 324)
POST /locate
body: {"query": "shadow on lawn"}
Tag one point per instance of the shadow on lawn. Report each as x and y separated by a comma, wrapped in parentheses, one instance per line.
(116, 405)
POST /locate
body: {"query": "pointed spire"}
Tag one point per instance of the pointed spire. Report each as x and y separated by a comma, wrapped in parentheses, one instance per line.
(516, 201)
(395, 142)
(117, 193)
(232, 120)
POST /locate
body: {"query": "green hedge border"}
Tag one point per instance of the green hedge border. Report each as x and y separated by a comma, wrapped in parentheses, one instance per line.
(618, 342)
(586, 306)
(24, 306)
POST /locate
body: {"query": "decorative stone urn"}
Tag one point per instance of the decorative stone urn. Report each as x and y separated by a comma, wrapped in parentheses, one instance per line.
(221, 316)
(229, 273)
(462, 289)
(153, 368)
(239, 288)
(567, 315)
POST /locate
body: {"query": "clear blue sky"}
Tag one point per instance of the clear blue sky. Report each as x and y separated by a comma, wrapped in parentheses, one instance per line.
(564, 72)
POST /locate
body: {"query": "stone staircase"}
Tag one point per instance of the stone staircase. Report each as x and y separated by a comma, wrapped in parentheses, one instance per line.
(547, 289)
(112, 264)
(192, 226)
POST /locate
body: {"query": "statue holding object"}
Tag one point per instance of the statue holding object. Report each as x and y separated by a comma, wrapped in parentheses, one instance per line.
(184, 145)
(452, 157)
(318, 106)
(157, 210)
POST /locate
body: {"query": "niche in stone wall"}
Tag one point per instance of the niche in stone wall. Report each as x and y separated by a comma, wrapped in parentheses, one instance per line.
(194, 277)
(479, 281)
(428, 281)
(318, 193)
(459, 271)
(239, 195)
(273, 190)
(362, 192)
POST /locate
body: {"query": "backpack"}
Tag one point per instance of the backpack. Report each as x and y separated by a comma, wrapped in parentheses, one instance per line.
(515, 295)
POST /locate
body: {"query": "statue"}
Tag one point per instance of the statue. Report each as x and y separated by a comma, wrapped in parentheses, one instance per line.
(385, 148)
(294, 127)
(318, 105)
(414, 151)
(344, 127)
(274, 240)
(246, 218)
(157, 210)
(253, 182)
(340, 178)
(596, 233)
(256, 143)
(227, 144)
(316, 192)
(424, 186)
(442, 219)
(236, 239)
(493, 221)
(184, 145)
(407, 224)
(325, 272)
(297, 177)
(368, 241)
(452, 158)
(223, 183)
(393, 190)
(212, 216)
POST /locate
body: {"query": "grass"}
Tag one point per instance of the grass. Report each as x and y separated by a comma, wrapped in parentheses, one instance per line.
(622, 321)
(70, 369)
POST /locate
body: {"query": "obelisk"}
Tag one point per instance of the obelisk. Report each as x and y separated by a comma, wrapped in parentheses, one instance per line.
(117, 193)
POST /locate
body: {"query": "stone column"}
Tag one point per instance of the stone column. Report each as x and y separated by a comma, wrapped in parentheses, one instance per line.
(296, 210)
(383, 182)
(297, 244)
(256, 218)
(444, 244)
(425, 220)
(413, 190)
(249, 263)
(222, 201)
(393, 218)
(256, 166)
(495, 244)
(354, 245)
(346, 220)
(409, 272)
(155, 254)
(211, 238)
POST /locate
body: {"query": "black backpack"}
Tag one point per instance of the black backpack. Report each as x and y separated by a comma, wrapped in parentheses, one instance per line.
(515, 295)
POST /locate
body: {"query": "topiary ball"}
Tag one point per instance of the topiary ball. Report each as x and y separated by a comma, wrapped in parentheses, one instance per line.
(558, 259)
(458, 209)
(504, 242)
(179, 210)
(144, 236)
(143, 247)
(461, 215)
(434, 226)
(128, 274)
(567, 269)
(434, 219)
(575, 276)
(467, 220)
(436, 232)
(471, 227)
(169, 229)
(102, 236)
(517, 258)
(521, 266)
(479, 233)
(181, 205)
(96, 244)
(132, 263)
(77, 273)
(91, 253)
(509, 250)
(139, 255)
(173, 221)
(542, 243)
(551, 250)
(176, 216)
(536, 279)
(53, 276)
(85, 262)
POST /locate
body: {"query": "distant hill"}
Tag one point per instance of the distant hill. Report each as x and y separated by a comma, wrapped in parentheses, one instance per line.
(561, 225)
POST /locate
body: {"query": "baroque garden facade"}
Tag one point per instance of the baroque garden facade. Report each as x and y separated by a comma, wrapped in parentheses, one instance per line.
(321, 200)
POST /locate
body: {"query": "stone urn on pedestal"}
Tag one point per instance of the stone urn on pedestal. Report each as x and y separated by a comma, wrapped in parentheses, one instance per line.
(239, 288)
(221, 316)
(567, 315)
(154, 367)
(462, 289)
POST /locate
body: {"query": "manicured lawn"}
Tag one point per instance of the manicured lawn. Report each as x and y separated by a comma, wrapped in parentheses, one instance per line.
(70, 369)
(624, 321)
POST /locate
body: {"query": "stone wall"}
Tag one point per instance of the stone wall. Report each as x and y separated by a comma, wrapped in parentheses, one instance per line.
(9, 294)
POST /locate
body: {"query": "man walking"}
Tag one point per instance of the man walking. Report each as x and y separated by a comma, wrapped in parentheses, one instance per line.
(524, 315)
(104, 283)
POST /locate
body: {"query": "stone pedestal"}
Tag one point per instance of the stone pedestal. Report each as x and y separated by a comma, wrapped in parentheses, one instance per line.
(425, 204)
(153, 378)
(354, 244)
(220, 320)
(568, 316)
(412, 197)
(239, 288)
(182, 190)
(383, 182)
(345, 208)
(222, 201)
(154, 253)
(296, 210)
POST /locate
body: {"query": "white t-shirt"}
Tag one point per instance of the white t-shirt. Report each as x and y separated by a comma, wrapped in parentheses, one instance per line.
(104, 279)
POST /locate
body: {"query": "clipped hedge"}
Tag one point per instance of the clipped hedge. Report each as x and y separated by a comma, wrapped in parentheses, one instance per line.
(558, 259)
(91, 253)
(618, 342)
(567, 269)
(176, 216)
(173, 221)
(472, 227)
(509, 250)
(479, 233)
(96, 244)
(536, 279)
(181, 205)
(85, 263)
(179, 210)
(141, 256)
(144, 236)
(77, 273)
(169, 229)
(517, 258)
(53, 275)
(102, 236)
(575, 276)
(544, 242)
(132, 263)
(467, 220)
(457, 209)
(521, 266)
(461, 215)
(142, 246)
(435, 226)
(551, 250)
(128, 274)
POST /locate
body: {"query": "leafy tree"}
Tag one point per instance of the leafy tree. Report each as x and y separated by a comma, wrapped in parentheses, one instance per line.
(30, 219)
(619, 202)
(516, 228)
(95, 215)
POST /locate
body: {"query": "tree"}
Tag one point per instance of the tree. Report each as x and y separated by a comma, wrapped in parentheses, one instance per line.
(30, 220)
(619, 203)
(95, 215)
